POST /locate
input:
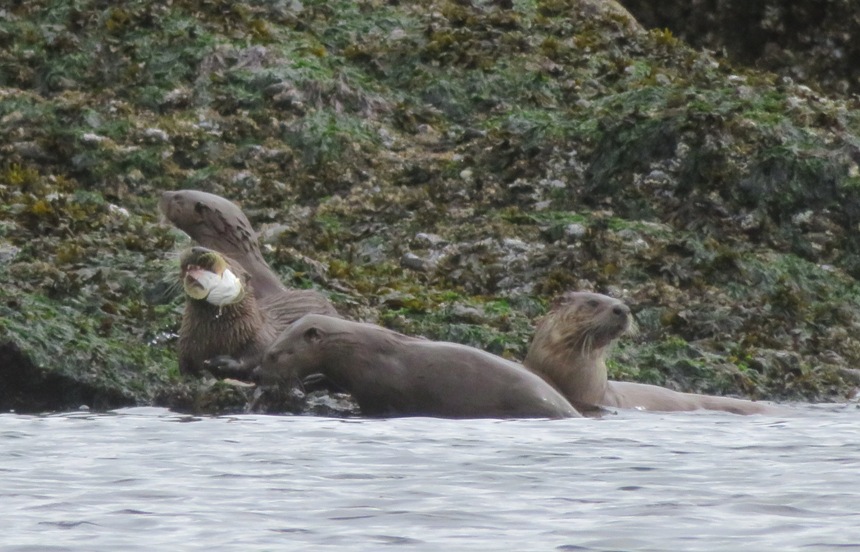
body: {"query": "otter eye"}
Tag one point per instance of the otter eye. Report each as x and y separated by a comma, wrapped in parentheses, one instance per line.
(273, 358)
(593, 303)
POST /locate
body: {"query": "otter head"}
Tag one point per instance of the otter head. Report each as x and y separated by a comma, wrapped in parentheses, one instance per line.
(589, 321)
(194, 212)
(570, 343)
(296, 353)
(210, 220)
(208, 276)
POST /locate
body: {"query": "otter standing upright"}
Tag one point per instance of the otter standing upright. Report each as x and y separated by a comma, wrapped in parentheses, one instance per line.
(222, 228)
(569, 349)
(222, 317)
(225, 327)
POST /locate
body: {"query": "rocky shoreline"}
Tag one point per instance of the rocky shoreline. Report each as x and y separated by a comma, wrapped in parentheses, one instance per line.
(441, 168)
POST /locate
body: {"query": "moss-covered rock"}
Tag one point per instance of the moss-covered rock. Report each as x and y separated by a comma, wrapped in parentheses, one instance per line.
(811, 41)
(442, 168)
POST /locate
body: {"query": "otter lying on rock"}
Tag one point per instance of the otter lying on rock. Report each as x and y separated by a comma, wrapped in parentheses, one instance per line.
(390, 374)
(569, 349)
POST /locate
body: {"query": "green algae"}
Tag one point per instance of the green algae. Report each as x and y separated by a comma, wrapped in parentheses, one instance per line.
(546, 146)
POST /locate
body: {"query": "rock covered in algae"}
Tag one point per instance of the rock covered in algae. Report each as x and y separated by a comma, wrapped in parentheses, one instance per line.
(516, 149)
(811, 41)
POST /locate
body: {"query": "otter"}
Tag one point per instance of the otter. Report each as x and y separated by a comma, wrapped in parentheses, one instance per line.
(391, 374)
(569, 349)
(225, 327)
(222, 317)
(218, 224)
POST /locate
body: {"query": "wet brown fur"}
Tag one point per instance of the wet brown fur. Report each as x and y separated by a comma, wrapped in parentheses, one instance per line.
(218, 224)
(569, 351)
(390, 374)
(243, 330)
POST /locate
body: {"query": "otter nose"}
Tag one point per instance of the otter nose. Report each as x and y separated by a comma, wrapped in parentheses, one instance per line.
(621, 310)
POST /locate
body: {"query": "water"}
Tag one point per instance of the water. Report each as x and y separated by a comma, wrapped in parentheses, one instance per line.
(148, 479)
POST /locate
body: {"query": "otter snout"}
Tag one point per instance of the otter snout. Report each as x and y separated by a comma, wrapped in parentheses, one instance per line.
(620, 316)
(621, 310)
(623, 319)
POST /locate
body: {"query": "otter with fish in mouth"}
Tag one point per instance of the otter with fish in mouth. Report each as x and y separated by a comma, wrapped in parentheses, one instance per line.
(219, 224)
(230, 260)
(222, 317)
(225, 327)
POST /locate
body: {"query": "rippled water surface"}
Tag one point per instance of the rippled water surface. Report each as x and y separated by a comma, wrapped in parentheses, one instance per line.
(148, 479)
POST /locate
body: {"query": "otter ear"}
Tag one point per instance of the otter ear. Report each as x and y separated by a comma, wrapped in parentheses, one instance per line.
(312, 334)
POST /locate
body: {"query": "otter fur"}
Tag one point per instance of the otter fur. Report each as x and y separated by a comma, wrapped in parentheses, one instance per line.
(569, 350)
(231, 332)
(390, 374)
(218, 224)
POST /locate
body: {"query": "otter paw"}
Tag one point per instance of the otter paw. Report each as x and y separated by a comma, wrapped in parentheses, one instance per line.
(224, 366)
(313, 380)
(319, 382)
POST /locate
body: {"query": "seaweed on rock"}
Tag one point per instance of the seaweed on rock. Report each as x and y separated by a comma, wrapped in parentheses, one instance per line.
(443, 168)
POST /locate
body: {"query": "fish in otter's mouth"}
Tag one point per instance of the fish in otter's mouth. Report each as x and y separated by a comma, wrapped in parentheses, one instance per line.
(206, 275)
